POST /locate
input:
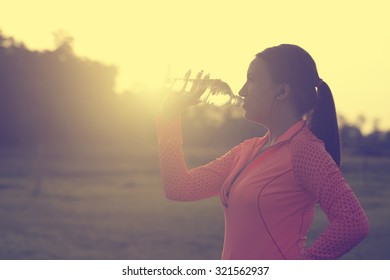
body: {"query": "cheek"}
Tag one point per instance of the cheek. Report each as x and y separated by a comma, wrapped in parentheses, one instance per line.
(254, 92)
(256, 95)
(258, 104)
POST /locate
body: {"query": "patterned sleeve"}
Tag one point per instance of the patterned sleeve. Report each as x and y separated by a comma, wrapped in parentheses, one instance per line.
(182, 184)
(319, 174)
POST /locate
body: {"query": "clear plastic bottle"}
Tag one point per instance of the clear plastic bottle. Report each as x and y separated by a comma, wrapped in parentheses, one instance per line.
(217, 93)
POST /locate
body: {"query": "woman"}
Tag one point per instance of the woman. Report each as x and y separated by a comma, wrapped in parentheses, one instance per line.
(269, 186)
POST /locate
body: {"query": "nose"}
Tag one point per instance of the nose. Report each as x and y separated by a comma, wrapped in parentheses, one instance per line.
(243, 91)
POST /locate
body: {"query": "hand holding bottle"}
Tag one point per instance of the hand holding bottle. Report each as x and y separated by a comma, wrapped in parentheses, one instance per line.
(206, 90)
(177, 100)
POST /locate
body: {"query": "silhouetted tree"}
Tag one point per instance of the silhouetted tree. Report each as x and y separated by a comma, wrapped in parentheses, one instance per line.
(376, 143)
(373, 143)
(351, 138)
(52, 95)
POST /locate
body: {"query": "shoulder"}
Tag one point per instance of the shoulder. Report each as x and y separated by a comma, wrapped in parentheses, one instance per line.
(312, 164)
(305, 146)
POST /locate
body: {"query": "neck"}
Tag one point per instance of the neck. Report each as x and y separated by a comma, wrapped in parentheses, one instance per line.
(280, 127)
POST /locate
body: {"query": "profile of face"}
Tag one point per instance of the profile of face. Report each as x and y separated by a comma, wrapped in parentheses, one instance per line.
(259, 92)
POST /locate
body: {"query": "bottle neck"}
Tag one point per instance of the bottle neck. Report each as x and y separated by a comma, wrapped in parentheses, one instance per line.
(237, 101)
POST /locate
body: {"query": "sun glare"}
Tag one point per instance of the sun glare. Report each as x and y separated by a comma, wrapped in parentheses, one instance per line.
(144, 38)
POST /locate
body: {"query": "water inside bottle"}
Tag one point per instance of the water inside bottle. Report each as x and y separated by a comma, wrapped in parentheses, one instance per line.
(220, 94)
(217, 93)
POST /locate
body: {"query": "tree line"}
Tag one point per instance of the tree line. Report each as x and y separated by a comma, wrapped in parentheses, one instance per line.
(56, 97)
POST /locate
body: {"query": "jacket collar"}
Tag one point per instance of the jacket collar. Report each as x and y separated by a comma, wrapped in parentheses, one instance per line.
(291, 131)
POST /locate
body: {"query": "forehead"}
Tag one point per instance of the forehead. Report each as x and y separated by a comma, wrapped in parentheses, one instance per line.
(258, 67)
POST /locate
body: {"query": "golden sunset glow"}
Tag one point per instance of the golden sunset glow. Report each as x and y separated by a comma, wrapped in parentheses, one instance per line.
(349, 40)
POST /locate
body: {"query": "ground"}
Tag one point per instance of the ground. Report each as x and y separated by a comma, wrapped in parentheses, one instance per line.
(110, 205)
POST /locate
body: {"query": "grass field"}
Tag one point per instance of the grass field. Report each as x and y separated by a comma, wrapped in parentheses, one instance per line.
(110, 205)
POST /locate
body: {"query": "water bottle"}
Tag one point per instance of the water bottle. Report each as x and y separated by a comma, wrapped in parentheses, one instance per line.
(217, 93)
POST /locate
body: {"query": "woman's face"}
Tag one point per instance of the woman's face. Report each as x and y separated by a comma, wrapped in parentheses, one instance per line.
(259, 92)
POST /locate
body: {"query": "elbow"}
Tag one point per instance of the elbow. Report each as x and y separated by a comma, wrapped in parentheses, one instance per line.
(173, 195)
(365, 226)
(176, 191)
(362, 229)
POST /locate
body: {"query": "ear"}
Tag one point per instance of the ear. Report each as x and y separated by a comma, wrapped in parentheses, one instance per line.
(284, 91)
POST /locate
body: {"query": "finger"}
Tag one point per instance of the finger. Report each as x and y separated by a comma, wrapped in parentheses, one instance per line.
(186, 79)
(196, 82)
(215, 86)
(203, 85)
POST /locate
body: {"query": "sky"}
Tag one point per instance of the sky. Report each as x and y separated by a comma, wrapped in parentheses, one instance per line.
(349, 40)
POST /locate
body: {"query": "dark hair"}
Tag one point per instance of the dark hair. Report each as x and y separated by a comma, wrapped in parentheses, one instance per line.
(312, 96)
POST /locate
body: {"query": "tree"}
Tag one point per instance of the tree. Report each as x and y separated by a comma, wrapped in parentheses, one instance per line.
(52, 95)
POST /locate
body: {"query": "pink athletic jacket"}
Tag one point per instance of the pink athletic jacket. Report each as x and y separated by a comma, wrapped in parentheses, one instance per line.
(269, 197)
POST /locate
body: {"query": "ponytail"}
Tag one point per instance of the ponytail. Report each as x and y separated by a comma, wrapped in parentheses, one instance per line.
(323, 121)
(293, 65)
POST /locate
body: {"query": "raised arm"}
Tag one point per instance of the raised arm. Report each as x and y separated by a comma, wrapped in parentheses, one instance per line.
(179, 182)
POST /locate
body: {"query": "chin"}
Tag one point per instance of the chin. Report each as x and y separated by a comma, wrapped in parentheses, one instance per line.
(253, 119)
